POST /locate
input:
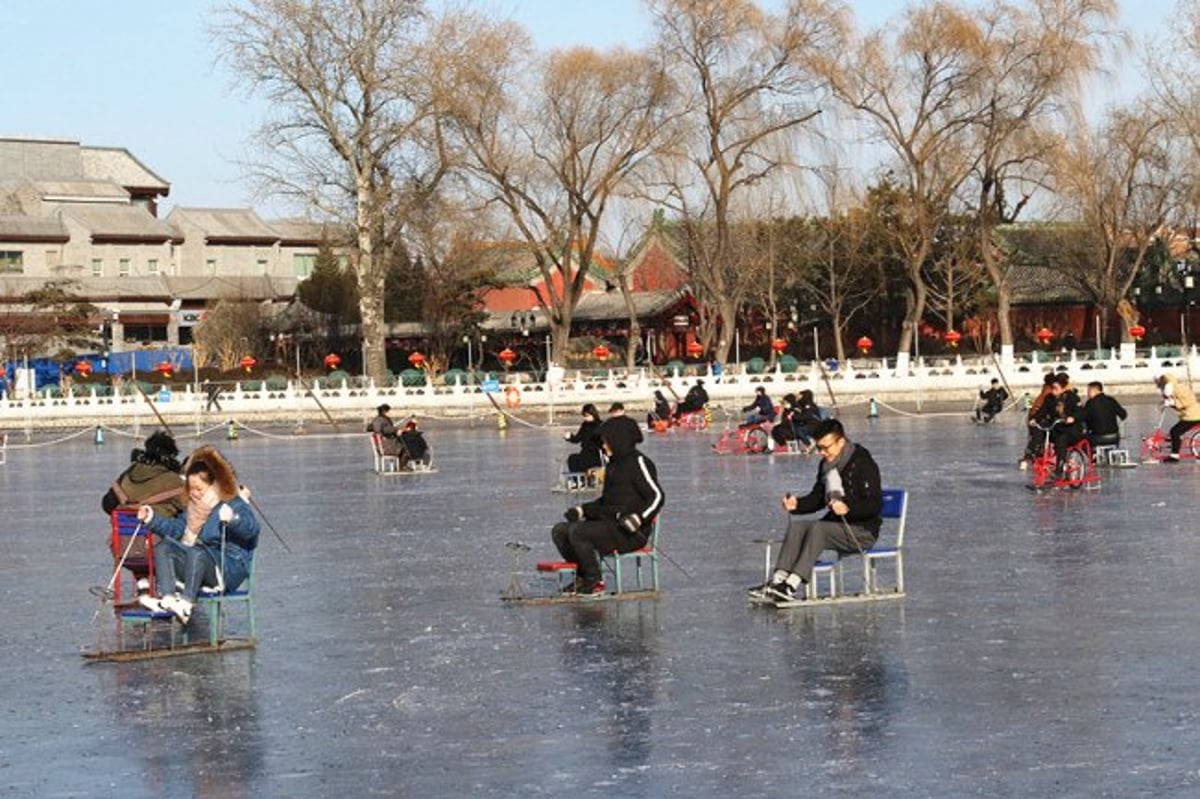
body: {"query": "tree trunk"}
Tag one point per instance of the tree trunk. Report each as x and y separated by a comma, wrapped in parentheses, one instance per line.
(725, 340)
(839, 337)
(370, 286)
(1004, 312)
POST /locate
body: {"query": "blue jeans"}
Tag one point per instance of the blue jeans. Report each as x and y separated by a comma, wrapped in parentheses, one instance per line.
(194, 566)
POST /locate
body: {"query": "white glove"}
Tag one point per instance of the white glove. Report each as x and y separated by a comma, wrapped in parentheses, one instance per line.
(631, 522)
(145, 513)
(225, 514)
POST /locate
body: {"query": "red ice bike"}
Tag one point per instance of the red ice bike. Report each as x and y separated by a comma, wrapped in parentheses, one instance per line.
(1157, 446)
(1078, 469)
(745, 439)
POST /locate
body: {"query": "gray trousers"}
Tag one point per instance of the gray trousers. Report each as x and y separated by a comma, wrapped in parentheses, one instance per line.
(807, 539)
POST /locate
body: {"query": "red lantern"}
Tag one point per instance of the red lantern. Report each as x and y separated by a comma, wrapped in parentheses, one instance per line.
(864, 345)
(1044, 336)
(506, 356)
(417, 360)
(83, 368)
(695, 349)
(163, 368)
(1137, 331)
(778, 345)
(333, 360)
(952, 338)
(600, 352)
(248, 362)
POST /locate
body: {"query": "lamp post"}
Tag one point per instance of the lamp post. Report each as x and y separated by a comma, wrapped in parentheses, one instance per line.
(1189, 283)
(470, 361)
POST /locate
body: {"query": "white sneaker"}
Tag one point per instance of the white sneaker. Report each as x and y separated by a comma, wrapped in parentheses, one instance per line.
(177, 605)
(151, 603)
(1022, 464)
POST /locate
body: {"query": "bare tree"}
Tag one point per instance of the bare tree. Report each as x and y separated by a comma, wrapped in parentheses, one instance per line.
(746, 80)
(554, 152)
(354, 129)
(1123, 184)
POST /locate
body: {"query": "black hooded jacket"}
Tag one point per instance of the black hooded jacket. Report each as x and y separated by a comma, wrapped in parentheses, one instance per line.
(630, 480)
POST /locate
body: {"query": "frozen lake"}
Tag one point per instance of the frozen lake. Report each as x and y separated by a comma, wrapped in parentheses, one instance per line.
(1045, 648)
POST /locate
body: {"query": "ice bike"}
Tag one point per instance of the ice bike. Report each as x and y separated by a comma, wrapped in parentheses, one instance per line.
(1078, 469)
(1157, 446)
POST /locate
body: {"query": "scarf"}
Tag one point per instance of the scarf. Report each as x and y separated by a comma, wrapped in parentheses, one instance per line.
(831, 473)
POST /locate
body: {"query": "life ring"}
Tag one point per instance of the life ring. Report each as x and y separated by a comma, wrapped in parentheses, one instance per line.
(512, 397)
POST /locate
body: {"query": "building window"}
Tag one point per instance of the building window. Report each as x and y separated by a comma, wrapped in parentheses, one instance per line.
(152, 266)
(12, 262)
(262, 266)
(210, 266)
(123, 267)
(97, 267)
(303, 264)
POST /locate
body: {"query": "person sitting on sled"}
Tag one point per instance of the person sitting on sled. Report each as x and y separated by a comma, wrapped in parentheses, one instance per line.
(208, 545)
(760, 410)
(620, 520)
(848, 489)
(661, 412)
(416, 449)
(383, 426)
(588, 439)
(1101, 417)
(693, 401)
(993, 402)
(153, 478)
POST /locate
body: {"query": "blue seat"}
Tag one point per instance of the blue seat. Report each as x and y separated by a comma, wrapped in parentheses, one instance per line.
(895, 508)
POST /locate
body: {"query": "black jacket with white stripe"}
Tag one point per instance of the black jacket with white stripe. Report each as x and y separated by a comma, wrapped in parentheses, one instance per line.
(630, 480)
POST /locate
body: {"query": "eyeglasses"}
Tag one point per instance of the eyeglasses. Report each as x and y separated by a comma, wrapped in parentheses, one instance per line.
(827, 447)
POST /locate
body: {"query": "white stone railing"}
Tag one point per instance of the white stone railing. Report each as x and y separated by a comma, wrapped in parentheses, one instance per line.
(940, 378)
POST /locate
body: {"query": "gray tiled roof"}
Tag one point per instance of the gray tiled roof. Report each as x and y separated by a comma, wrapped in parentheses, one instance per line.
(301, 231)
(81, 189)
(120, 166)
(224, 224)
(259, 287)
(20, 228)
(117, 221)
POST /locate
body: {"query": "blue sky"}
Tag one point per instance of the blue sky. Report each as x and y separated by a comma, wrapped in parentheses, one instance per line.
(141, 74)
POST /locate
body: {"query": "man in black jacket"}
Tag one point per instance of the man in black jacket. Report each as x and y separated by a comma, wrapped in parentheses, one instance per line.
(1100, 416)
(848, 489)
(621, 519)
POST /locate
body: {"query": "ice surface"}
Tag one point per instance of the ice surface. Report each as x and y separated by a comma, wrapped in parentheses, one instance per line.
(1046, 648)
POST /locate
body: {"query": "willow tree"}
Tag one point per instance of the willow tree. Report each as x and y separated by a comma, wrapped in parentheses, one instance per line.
(1034, 56)
(1122, 183)
(353, 129)
(552, 141)
(746, 81)
(916, 85)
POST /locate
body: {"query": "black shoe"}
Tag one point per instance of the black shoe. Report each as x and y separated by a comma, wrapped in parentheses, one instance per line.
(570, 587)
(589, 589)
(782, 592)
(761, 591)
